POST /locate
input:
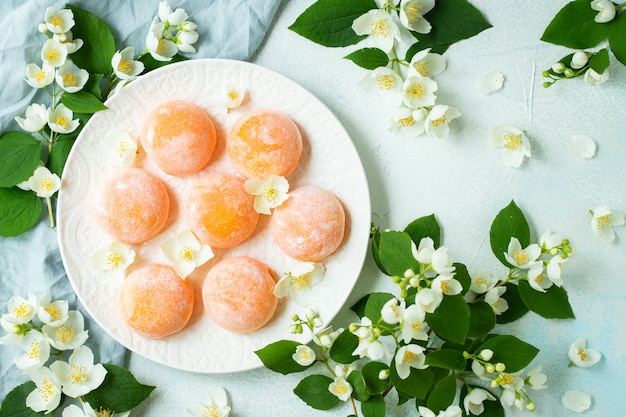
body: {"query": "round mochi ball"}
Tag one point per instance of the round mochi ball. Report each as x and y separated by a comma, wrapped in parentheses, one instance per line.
(262, 143)
(132, 205)
(155, 301)
(310, 225)
(179, 136)
(238, 294)
(219, 210)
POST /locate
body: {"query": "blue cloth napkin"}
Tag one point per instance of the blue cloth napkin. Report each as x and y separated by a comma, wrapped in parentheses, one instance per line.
(31, 262)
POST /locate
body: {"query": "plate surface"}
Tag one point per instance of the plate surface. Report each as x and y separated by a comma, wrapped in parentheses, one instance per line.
(329, 161)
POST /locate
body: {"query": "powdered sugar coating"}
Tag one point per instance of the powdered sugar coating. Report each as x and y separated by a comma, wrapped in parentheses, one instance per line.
(262, 143)
(179, 136)
(219, 211)
(131, 205)
(310, 225)
(238, 294)
(155, 302)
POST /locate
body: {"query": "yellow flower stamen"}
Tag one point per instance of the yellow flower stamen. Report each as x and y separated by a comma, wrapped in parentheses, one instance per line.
(211, 410)
(521, 257)
(341, 389)
(186, 253)
(512, 142)
(104, 412)
(160, 46)
(51, 309)
(413, 12)
(40, 75)
(422, 68)
(480, 281)
(379, 28)
(122, 148)
(22, 310)
(65, 334)
(46, 184)
(69, 80)
(115, 260)
(125, 66)
(34, 350)
(407, 121)
(52, 55)
(417, 326)
(539, 278)
(233, 96)
(270, 194)
(581, 354)
(409, 357)
(47, 390)
(301, 281)
(417, 91)
(438, 122)
(603, 221)
(62, 120)
(386, 82)
(444, 286)
(57, 21)
(77, 374)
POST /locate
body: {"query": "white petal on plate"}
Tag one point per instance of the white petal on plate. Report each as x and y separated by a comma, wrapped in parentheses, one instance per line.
(577, 401)
(583, 146)
(489, 82)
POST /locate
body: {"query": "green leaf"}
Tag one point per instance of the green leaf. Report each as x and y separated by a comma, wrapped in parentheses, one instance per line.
(426, 226)
(574, 27)
(14, 404)
(446, 359)
(418, 46)
(443, 393)
(617, 37)
(343, 346)
(552, 304)
(511, 351)
(599, 62)
(375, 237)
(370, 372)
(463, 276)
(416, 385)
(119, 392)
(394, 250)
(329, 22)
(482, 320)
(516, 309)
(99, 45)
(374, 407)
(369, 58)
(277, 356)
(359, 389)
(59, 153)
(82, 102)
(375, 303)
(20, 154)
(450, 321)
(451, 21)
(93, 85)
(510, 222)
(151, 64)
(313, 390)
(19, 211)
(359, 306)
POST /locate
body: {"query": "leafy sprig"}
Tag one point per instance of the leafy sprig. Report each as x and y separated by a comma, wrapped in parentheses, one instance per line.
(438, 328)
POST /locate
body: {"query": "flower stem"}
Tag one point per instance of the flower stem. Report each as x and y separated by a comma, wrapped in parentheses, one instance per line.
(51, 217)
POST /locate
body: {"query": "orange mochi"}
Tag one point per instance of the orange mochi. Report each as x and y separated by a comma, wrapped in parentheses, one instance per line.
(310, 225)
(219, 210)
(132, 205)
(238, 294)
(262, 143)
(179, 136)
(155, 301)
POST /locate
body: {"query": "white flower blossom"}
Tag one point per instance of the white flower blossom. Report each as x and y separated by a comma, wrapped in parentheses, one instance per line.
(124, 64)
(217, 406)
(232, 96)
(593, 78)
(549, 240)
(419, 91)
(554, 269)
(451, 411)
(442, 263)
(37, 351)
(67, 39)
(52, 313)
(173, 18)
(413, 325)
(185, 40)
(387, 81)
(493, 297)
(577, 401)
(340, 388)
(47, 396)
(70, 78)
(583, 146)
(79, 376)
(70, 335)
(298, 283)
(483, 282)
(15, 333)
(369, 345)
(304, 355)
(513, 141)
(39, 77)
(269, 193)
(536, 278)
(523, 258)
(428, 299)
(446, 285)
(602, 221)
(489, 82)
(59, 22)
(113, 258)
(21, 310)
(380, 27)
(606, 10)
(160, 48)
(426, 64)
(123, 147)
(186, 252)
(36, 118)
(535, 379)
(393, 311)
(581, 356)
(44, 183)
(408, 121)
(60, 120)
(412, 15)
(439, 117)
(424, 252)
(407, 357)
(473, 401)
(53, 53)
(579, 59)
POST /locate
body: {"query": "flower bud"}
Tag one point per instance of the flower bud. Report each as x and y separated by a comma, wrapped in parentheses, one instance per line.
(490, 368)
(353, 327)
(547, 84)
(414, 282)
(530, 406)
(383, 375)
(466, 355)
(486, 354)
(579, 60)
(554, 251)
(299, 329)
(409, 273)
(293, 329)
(376, 332)
(396, 279)
(325, 341)
(295, 317)
(500, 367)
(42, 28)
(545, 74)
(317, 322)
(559, 67)
(569, 73)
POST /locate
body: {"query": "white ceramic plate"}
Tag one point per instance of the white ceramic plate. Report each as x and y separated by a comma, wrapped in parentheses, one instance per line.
(329, 161)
